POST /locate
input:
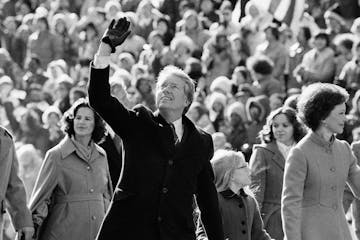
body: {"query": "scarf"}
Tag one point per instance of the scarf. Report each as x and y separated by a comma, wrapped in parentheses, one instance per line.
(284, 149)
(83, 152)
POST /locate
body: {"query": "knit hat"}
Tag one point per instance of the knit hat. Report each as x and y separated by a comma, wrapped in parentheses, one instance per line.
(237, 108)
(48, 111)
(216, 97)
(221, 83)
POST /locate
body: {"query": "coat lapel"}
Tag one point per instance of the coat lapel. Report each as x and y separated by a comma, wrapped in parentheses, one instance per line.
(277, 156)
(165, 136)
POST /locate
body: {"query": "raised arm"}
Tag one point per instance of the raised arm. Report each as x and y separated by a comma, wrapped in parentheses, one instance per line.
(110, 109)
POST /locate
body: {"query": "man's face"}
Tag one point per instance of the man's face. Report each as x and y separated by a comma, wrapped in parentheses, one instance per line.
(170, 94)
(320, 43)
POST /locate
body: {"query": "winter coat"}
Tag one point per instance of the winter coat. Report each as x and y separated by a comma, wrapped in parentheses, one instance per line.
(71, 194)
(314, 180)
(267, 171)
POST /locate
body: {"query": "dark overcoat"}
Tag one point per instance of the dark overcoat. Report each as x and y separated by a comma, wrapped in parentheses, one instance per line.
(153, 198)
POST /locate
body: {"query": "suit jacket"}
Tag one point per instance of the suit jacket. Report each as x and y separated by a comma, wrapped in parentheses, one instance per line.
(153, 199)
(267, 168)
(11, 187)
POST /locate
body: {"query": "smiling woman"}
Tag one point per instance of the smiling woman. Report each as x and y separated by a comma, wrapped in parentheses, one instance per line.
(279, 135)
(74, 171)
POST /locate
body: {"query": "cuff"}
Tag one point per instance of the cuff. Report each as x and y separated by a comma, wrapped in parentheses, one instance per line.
(101, 62)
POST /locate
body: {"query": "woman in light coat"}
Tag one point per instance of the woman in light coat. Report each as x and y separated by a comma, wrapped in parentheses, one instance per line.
(281, 132)
(73, 188)
(318, 168)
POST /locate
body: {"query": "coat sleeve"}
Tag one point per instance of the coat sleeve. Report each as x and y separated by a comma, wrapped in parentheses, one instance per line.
(120, 119)
(353, 179)
(258, 175)
(15, 193)
(292, 195)
(43, 190)
(207, 199)
(258, 231)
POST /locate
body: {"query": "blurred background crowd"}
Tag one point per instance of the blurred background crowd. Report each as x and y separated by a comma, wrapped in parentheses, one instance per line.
(247, 58)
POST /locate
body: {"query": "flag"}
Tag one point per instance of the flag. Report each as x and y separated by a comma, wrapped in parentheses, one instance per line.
(286, 11)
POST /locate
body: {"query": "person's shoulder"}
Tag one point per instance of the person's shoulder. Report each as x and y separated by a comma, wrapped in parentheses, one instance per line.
(355, 145)
(268, 146)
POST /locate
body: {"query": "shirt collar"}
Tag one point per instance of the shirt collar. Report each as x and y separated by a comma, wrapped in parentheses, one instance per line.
(178, 127)
(67, 147)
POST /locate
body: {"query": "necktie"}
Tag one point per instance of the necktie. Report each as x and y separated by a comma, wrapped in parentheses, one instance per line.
(176, 139)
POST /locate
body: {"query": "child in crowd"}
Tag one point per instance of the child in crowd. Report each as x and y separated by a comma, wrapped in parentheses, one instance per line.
(239, 209)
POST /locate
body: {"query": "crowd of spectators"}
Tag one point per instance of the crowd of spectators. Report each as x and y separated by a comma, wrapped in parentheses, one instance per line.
(243, 66)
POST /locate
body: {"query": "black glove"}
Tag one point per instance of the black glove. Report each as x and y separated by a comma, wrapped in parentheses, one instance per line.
(116, 34)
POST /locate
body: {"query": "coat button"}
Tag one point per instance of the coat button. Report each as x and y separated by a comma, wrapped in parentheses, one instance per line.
(243, 232)
(93, 217)
(334, 206)
(170, 162)
(333, 188)
(88, 168)
(164, 190)
(242, 222)
(159, 219)
(332, 169)
(91, 190)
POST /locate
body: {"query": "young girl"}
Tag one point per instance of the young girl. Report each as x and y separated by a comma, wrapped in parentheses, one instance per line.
(239, 210)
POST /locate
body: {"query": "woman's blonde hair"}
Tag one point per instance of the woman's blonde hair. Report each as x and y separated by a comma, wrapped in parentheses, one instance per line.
(224, 163)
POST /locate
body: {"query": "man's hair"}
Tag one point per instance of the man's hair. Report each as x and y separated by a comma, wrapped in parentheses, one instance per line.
(171, 70)
(323, 35)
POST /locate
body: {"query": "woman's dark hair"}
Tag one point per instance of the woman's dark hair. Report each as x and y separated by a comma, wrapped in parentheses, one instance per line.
(323, 35)
(267, 135)
(317, 101)
(68, 121)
